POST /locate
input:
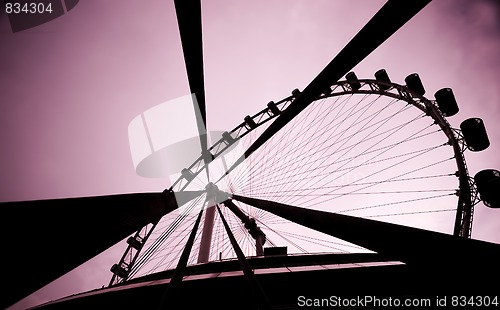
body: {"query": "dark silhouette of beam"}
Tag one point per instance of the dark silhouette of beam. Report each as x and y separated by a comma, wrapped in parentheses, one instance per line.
(250, 225)
(170, 298)
(452, 259)
(190, 29)
(392, 16)
(44, 239)
(259, 298)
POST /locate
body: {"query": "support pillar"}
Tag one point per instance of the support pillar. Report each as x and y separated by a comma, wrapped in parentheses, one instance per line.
(208, 226)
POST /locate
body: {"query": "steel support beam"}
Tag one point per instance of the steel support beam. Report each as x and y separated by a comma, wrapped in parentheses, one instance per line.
(58, 235)
(423, 249)
(251, 225)
(258, 296)
(170, 297)
(208, 225)
(190, 29)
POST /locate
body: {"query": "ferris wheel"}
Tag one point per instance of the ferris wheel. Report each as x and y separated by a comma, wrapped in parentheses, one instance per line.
(349, 166)
(365, 148)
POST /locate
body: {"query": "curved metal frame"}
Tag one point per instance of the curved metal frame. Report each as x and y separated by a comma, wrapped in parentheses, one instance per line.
(466, 194)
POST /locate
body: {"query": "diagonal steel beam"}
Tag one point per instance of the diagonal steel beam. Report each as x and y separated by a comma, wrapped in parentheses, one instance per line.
(190, 29)
(44, 239)
(170, 298)
(259, 297)
(416, 247)
(250, 225)
(392, 16)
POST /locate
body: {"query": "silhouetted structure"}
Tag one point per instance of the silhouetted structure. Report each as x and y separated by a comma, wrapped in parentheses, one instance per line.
(406, 257)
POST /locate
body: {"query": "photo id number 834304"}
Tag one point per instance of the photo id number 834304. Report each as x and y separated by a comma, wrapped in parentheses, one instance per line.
(474, 301)
(28, 8)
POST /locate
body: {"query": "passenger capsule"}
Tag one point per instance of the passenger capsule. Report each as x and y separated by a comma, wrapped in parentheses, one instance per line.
(382, 76)
(136, 244)
(227, 137)
(273, 108)
(250, 122)
(119, 271)
(296, 92)
(446, 101)
(187, 174)
(488, 186)
(414, 83)
(475, 134)
(353, 81)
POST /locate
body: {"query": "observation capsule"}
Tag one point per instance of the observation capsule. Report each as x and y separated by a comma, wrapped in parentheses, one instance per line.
(414, 83)
(250, 122)
(475, 134)
(227, 137)
(488, 186)
(353, 80)
(446, 101)
(136, 244)
(273, 108)
(119, 271)
(381, 75)
(187, 174)
(296, 92)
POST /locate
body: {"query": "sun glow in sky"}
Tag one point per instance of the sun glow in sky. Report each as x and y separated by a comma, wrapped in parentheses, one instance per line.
(70, 88)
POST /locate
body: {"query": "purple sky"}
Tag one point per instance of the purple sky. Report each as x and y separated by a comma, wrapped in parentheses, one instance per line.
(70, 87)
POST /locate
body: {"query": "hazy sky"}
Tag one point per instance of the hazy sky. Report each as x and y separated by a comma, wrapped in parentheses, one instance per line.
(70, 87)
